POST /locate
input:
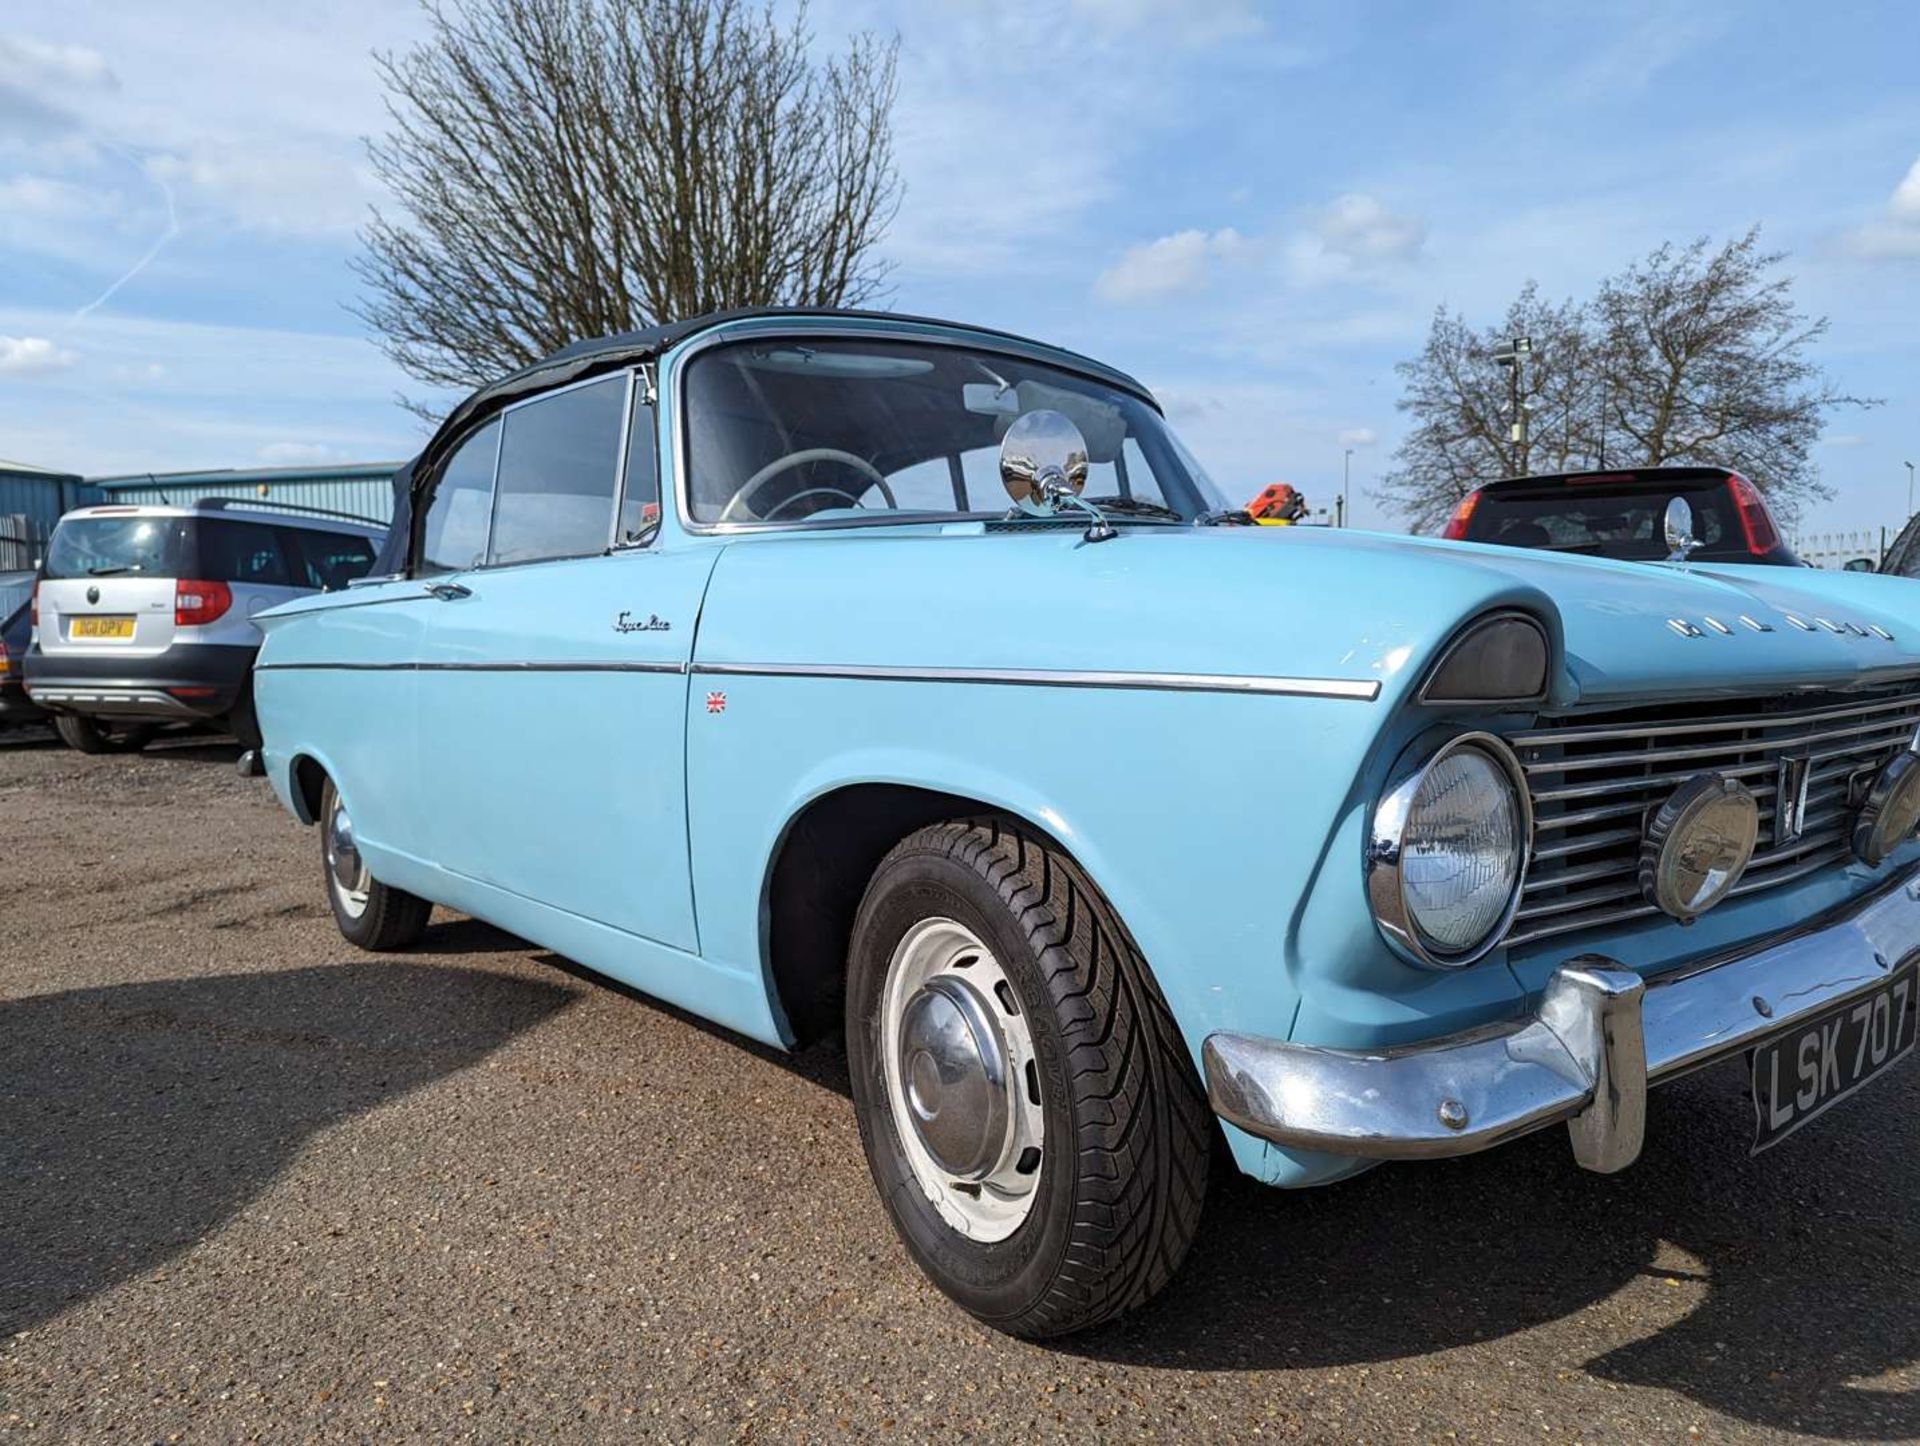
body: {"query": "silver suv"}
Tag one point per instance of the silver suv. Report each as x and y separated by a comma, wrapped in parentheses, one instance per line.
(144, 615)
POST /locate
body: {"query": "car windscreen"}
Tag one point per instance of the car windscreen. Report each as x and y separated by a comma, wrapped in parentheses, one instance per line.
(848, 430)
(119, 546)
(1609, 519)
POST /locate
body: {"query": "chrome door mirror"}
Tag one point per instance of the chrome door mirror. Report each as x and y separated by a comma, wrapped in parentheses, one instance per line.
(1043, 462)
(1679, 530)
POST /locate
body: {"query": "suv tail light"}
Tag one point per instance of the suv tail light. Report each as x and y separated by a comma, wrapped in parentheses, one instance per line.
(6, 659)
(1456, 527)
(196, 602)
(1755, 521)
(33, 606)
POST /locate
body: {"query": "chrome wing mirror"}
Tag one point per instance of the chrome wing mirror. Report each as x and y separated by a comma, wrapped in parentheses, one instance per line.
(1679, 530)
(1043, 466)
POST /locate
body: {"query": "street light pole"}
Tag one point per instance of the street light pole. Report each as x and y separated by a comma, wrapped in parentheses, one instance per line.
(1909, 489)
(1346, 481)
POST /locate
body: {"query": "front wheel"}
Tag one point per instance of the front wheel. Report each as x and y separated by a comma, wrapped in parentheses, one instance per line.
(1028, 1108)
(373, 915)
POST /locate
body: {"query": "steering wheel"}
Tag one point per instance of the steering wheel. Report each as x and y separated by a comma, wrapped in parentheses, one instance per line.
(800, 459)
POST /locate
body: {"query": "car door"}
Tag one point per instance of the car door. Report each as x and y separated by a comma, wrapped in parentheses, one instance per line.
(553, 690)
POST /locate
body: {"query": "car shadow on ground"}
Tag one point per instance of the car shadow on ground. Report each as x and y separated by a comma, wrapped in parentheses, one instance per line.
(1806, 1257)
(134, 1119)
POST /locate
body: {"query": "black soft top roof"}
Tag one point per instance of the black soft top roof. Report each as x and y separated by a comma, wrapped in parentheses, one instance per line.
(582, 359)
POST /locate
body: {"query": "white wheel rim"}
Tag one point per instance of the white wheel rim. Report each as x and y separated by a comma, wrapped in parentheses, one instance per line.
(986, 1095)
(347, 874)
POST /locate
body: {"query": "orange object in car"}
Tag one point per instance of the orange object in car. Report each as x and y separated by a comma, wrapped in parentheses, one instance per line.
(1278, 504)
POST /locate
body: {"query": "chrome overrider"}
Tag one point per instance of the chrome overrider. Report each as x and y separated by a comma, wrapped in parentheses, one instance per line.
(1599, 1037)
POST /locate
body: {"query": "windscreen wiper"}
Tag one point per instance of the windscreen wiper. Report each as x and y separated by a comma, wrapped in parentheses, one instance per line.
(1225, 517)
(1135, 507)
(109, 571)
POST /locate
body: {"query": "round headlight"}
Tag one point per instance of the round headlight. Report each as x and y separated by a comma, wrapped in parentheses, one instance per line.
(1892, 810)
(1698, 845)
(1449, 850)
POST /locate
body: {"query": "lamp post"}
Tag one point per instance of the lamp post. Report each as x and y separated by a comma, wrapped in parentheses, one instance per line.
(1346, 479)
(1513, 357)
(1909, 489)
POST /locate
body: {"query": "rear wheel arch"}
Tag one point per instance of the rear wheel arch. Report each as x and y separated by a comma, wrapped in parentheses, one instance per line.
(309, 779)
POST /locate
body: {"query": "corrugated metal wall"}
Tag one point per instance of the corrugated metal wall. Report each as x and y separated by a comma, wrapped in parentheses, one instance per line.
(30, 503)
(359, 491)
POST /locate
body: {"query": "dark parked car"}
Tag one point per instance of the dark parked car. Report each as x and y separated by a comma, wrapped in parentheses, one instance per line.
(15, 631)
(1620, 515)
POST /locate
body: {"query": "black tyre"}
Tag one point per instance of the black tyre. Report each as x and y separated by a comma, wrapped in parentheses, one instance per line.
(371, 914)
(1029, 1110)
(242, 722)
(90, 735)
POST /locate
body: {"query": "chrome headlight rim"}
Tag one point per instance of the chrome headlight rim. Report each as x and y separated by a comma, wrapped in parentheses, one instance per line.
(1385, 883)
(1872, 842)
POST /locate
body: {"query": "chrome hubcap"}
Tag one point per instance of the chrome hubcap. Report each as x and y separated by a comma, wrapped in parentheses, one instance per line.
(962, 1080)
(346, 870)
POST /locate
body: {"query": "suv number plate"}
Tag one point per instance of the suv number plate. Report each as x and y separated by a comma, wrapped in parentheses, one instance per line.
(101, 627)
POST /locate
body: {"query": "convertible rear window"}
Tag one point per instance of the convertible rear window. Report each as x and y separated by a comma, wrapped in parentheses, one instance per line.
(843, 429)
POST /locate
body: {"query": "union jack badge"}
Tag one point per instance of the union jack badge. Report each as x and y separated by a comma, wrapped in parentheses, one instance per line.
(716, 702)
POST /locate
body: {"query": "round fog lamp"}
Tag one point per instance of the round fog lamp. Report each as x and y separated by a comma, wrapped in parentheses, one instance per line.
(1892, 810)
(1698, 845)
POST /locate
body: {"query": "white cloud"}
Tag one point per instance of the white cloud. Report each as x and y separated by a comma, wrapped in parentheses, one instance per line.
(1173, 265)
(1896, 232)
(1358, 437)
(1845, 439)
(26, 356)
(1352, 234)
(297, 454)
(1190, 23)
(25, 61)
(303, 189)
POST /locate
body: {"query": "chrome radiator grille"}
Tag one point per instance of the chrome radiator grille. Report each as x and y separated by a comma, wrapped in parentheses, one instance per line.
(1596, 781)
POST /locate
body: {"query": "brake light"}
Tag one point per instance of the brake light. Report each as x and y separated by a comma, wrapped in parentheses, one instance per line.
(6, 659)
(197, 602)
(33, 606)
(1755, 521)
(1456, 527)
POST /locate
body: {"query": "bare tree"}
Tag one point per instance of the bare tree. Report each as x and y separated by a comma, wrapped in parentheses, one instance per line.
(571, 168)
(1461, 403)
(1694, 355)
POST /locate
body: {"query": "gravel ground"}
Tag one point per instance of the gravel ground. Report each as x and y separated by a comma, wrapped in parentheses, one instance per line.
(254, 1185)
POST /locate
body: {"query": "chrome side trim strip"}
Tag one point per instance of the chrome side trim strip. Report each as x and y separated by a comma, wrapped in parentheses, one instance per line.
(557, 667)
(1363, 690)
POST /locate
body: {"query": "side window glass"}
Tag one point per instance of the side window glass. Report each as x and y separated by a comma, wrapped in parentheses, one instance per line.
(331, 560)
(640, 504)
(454, 535)
(559, 457)
(243, 552)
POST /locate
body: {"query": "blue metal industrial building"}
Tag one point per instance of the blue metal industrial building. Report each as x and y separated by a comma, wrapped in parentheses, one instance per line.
(362, 490)
(33, 498)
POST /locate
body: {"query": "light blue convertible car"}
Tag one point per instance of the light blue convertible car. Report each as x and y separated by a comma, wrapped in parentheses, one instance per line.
(835, 671)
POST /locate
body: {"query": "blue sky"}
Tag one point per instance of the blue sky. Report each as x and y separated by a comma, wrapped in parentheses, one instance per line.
(1254, 208)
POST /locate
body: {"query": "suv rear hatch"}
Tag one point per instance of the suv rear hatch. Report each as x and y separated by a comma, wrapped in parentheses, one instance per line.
(108, 584)
(1620, 514)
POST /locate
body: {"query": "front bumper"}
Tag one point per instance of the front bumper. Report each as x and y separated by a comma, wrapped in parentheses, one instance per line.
(1600, 1036)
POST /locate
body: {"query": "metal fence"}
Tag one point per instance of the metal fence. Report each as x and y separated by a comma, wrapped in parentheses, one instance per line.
(1837, 549)
(20, 542)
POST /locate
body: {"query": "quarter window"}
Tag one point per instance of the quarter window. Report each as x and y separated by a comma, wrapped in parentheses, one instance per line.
(331, 560)
(559, 457)
(245, 552)
(454, 536)
(640, 501)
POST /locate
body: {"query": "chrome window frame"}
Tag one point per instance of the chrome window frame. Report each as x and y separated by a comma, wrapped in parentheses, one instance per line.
(750, 331)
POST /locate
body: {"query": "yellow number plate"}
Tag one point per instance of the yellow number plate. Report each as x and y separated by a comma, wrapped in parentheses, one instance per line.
(101, 628)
